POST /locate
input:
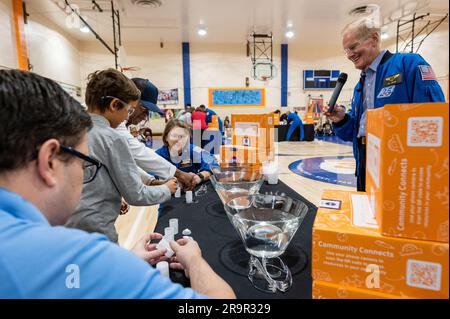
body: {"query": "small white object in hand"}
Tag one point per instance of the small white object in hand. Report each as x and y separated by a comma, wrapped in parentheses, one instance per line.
(188, 237)
(163, 267)
(169, 233)
(164, 244)
(186, 232)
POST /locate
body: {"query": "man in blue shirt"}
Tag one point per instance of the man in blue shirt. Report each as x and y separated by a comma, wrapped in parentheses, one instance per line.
(386, 78)
(295, 123)
(43, 165)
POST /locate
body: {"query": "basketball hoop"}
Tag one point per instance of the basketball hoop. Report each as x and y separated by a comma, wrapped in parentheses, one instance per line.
(130, 68)
(264, 71)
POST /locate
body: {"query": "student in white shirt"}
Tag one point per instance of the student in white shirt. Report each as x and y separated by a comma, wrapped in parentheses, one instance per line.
(145, 157)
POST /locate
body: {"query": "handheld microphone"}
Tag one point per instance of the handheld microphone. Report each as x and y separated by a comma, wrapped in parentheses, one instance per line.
(337, 90)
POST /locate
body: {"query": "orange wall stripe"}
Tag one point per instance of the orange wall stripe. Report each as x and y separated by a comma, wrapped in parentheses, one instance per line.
(19, 28)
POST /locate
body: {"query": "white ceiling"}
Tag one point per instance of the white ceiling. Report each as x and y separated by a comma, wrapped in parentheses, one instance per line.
(228, 21)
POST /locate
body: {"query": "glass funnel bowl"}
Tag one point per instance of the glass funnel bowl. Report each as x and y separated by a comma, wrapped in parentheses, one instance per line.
(266, 225)
(236, 181)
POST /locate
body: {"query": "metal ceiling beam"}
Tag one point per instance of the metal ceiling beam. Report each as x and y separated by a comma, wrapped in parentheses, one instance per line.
(411, 24)
(115, 16)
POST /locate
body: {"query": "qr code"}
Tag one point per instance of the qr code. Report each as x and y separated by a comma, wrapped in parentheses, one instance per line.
(423, 274)
(425, 131)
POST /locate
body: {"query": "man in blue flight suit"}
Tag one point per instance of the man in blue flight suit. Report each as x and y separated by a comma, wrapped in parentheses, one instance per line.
(386, 78)
(295, 122)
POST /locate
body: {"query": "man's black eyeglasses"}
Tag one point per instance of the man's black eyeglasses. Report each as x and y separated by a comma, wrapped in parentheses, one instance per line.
(90, 165)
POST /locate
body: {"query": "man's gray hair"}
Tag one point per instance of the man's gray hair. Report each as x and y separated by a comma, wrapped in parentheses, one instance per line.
(364, 28)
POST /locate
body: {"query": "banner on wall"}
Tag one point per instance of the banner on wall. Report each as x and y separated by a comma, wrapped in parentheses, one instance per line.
(237, 97)
(168, 97)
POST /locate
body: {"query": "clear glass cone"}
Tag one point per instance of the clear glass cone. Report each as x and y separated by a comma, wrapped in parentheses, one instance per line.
(266, 225)
(232, 182)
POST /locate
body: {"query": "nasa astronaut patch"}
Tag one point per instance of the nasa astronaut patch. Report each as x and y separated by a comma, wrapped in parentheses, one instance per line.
(386, 92)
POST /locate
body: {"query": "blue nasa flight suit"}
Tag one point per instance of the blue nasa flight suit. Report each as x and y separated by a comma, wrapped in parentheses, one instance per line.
(296, 123)
(400, 78)
(193, 159)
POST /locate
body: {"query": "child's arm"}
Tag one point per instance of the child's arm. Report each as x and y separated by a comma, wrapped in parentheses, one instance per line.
(126, 176)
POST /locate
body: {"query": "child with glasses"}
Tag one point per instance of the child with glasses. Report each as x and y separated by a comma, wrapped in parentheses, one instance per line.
(111, 97)
(180, 152)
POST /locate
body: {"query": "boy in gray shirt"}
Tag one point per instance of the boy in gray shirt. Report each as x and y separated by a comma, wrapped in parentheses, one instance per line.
(111, 97)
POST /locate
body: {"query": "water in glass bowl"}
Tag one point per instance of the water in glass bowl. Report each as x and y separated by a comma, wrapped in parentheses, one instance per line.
(265, 233)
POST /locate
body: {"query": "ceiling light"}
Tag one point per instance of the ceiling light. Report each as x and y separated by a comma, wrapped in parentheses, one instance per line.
(202, 31)
(384, 35)
(289, 34)
(83, 27)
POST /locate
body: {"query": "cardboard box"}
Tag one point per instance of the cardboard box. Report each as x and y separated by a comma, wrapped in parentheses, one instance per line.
(254, 130)
(325, 290)
(276, 119)
(407, 169)
(348, 250)
(309, 118)
(239, 155)
(214, 124)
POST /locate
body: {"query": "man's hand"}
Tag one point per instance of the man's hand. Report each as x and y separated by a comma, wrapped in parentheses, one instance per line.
(124, 207)
(186, 252)
(172, 184)
(337, 115)
(147, 251)
(187, 180)
(197, 180)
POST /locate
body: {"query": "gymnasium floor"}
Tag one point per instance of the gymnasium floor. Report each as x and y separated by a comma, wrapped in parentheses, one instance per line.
(140, 220)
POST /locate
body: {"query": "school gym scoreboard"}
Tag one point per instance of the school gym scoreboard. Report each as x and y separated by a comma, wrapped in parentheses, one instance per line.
(320, 79)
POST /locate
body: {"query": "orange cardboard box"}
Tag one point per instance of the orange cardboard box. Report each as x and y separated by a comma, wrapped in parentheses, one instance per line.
(325, 290)
(255, 130)
(276, 119)
(309, 118)
(239, 155)
(348, 250)
(214, 124)
(407, 169)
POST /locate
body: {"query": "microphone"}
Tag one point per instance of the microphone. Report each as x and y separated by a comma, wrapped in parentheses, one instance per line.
(337, 90)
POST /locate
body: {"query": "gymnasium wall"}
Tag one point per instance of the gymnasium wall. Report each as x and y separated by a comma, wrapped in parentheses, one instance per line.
(55, 54)
(52, 52)
(226, 65)
(162, 66)
(8, 54)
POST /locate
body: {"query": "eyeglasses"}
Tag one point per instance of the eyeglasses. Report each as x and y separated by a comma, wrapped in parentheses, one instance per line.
(130, 108)
(174, 136)
(90, 165)
(353, 47)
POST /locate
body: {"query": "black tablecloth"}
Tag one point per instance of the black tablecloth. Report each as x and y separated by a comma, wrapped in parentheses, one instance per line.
(223, 249)
(307, 128)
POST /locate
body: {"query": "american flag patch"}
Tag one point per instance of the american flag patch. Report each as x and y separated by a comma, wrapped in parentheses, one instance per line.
(427, 72)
